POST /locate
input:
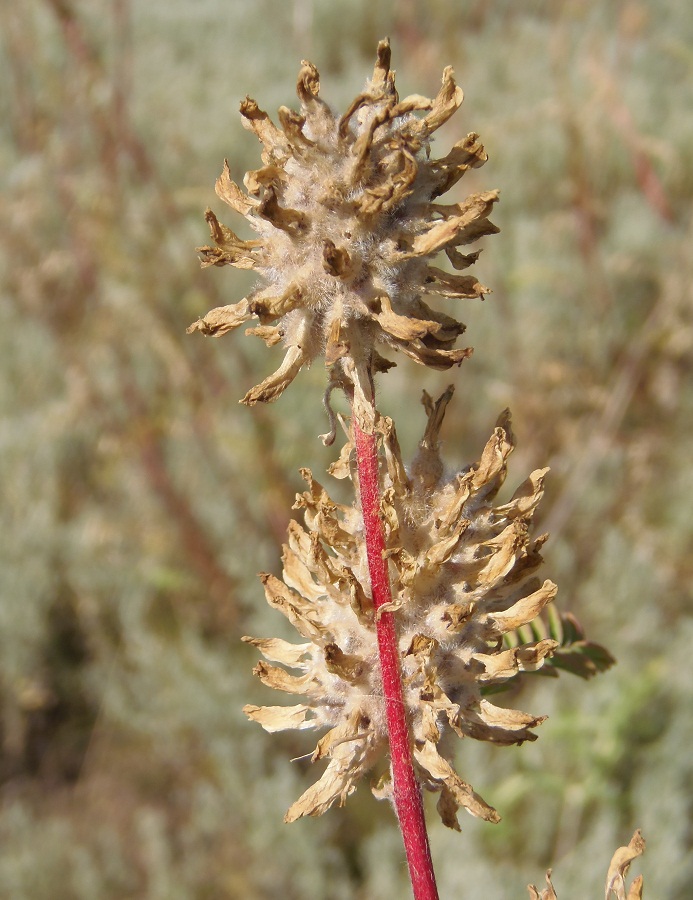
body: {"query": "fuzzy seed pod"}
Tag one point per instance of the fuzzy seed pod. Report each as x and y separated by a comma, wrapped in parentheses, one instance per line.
(348, 225)
(463, 576)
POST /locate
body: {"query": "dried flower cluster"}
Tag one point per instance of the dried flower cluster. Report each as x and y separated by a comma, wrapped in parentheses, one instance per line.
(347, 223)
(462, 577)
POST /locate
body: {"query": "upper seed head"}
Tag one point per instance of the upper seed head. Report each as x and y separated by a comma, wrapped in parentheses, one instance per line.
(347, 224)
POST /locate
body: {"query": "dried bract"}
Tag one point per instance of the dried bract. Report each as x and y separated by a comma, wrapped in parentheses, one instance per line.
(463, 575)
(347, 228)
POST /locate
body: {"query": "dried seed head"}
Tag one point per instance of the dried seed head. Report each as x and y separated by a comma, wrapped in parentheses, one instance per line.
(347, 228)
(463, 576)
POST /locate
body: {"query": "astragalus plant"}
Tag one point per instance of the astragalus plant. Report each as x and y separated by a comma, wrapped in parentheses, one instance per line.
(419, 601)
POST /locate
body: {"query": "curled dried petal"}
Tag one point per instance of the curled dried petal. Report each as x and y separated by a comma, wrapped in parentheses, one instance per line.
(228, 191)
(547, 894)
(522, 612)
(274, 141)
(447, 285)
(403, 328)
(280, 718)
(447, 102)
(274, 385)
(222, 319)
(277, 650)
(458, 791)
(618, 868)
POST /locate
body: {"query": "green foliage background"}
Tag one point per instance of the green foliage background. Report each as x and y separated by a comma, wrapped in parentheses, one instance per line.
(137, 500)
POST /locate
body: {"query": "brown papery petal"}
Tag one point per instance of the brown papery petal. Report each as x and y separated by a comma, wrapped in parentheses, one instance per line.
(526, 498)
(268, 307)
(441, 771)
(490, 473)
(270, 334)
(547, 894)
(280, 718)
(279, 679)
(447, 101)
(273, 139)
(268, 176)
(275, 384)
(228, 191)
(337, 782)
(225, 237)
(278, 650)
(298, 576)
(297, 610)
(403, 328)
(440, 282)
(528, 658)
(435, 359)
(522, 612)
(468, 153)
(512, 719)
(618, 868)
(222, 319)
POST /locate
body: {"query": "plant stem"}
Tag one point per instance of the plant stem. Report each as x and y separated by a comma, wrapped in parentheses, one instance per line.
(407, 794)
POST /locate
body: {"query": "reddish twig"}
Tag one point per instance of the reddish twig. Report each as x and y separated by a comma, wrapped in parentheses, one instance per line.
(407, 794)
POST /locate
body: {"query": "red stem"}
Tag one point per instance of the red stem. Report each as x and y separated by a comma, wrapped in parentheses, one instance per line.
(407, 794)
